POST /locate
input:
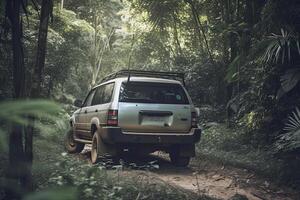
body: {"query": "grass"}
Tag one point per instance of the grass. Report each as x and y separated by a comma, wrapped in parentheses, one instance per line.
(54, 169)
(221, 144)
(58, 175)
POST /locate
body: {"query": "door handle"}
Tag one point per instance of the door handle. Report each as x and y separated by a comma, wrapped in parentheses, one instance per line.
(85, 111)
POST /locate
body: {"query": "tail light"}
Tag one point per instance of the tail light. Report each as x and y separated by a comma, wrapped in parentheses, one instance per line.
(194, 120)
(112, 118)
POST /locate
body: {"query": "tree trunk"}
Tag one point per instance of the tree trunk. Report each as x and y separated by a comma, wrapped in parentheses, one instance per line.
(200, 28)
(50, 87)
(177, 43)
(196, 23)
(13, 13)
(61, 4)
(16, 154)
(46, 11)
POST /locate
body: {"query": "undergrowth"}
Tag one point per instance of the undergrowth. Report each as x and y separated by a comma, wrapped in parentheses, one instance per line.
(221, 144)
(53, 168)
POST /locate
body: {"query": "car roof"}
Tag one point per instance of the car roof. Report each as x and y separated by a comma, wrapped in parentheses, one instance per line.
(141, 79)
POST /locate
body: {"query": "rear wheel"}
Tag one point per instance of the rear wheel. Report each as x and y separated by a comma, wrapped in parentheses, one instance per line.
(96, 152)
(179, 161)
(100, 149)
(71, 145)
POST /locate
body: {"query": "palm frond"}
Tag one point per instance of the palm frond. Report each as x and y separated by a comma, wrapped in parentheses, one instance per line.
(275, 48)
(280, 46)
(160, 13)
(290, 140)
(293, 123)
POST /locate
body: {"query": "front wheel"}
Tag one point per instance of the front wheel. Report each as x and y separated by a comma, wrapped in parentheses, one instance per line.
(179, 161)
(71, 145)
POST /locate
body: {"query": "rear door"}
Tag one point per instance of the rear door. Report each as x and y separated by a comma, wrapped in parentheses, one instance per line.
(154, 107)
(101, 103)
(81, 123)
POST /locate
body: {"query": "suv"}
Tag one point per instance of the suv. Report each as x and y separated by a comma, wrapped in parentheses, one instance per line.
(137, 111)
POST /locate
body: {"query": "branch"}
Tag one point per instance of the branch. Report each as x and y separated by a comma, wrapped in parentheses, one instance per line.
(196, 16)
(99, 61)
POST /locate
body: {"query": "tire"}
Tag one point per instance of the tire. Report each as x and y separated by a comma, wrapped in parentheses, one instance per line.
(179, 161)
(72, 146)
(100, 149)
(96, 148)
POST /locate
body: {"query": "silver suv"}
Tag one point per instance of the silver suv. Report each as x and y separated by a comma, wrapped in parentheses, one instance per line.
(139, 112)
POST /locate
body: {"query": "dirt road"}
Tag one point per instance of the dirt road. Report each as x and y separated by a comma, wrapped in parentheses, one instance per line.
(202, 177)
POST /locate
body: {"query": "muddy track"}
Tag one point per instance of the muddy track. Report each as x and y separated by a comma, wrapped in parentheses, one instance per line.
(208, 179)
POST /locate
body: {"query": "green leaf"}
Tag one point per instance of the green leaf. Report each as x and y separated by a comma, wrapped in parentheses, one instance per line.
(2, 8)
(298, 47)
(17, 111)
(55, 194)
(232, 71)
(3, 139)
(290, 79)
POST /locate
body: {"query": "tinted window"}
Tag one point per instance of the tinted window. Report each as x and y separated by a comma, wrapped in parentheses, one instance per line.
(88, 99)
(98, 96)
(103, 94)
(108, 91)
(146, 92)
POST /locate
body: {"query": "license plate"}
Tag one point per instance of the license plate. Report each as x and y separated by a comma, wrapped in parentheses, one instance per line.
(156, 119)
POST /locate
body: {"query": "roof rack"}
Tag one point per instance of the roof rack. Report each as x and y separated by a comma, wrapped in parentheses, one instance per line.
(156, 74)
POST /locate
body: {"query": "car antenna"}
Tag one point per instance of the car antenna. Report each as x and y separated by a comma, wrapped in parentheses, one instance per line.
(128, 79)
(129, 60)
(128, 70)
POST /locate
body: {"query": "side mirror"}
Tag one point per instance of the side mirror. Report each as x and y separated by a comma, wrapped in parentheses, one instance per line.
(197, 111)
(78, 103)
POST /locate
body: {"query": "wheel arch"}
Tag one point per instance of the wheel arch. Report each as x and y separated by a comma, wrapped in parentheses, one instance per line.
(95, 125)
(72, 121)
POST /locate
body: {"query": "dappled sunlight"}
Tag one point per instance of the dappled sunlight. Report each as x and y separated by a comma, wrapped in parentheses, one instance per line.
(149, 99)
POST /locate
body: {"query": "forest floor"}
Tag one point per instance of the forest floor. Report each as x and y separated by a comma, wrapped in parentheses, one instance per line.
(203, 179)
(206, 178)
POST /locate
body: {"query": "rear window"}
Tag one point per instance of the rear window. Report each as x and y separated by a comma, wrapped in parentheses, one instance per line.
(147, 92)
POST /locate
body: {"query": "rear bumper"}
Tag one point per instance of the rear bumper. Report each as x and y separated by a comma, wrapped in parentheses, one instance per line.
(115, 135)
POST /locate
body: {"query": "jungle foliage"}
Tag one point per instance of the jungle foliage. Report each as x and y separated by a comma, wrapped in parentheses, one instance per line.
(241, 59)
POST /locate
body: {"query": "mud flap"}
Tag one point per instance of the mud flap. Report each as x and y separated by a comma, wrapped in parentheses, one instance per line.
(106, 150)
(187, 150)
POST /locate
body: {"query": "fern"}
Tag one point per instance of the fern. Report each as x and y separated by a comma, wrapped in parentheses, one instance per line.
(16, 112)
